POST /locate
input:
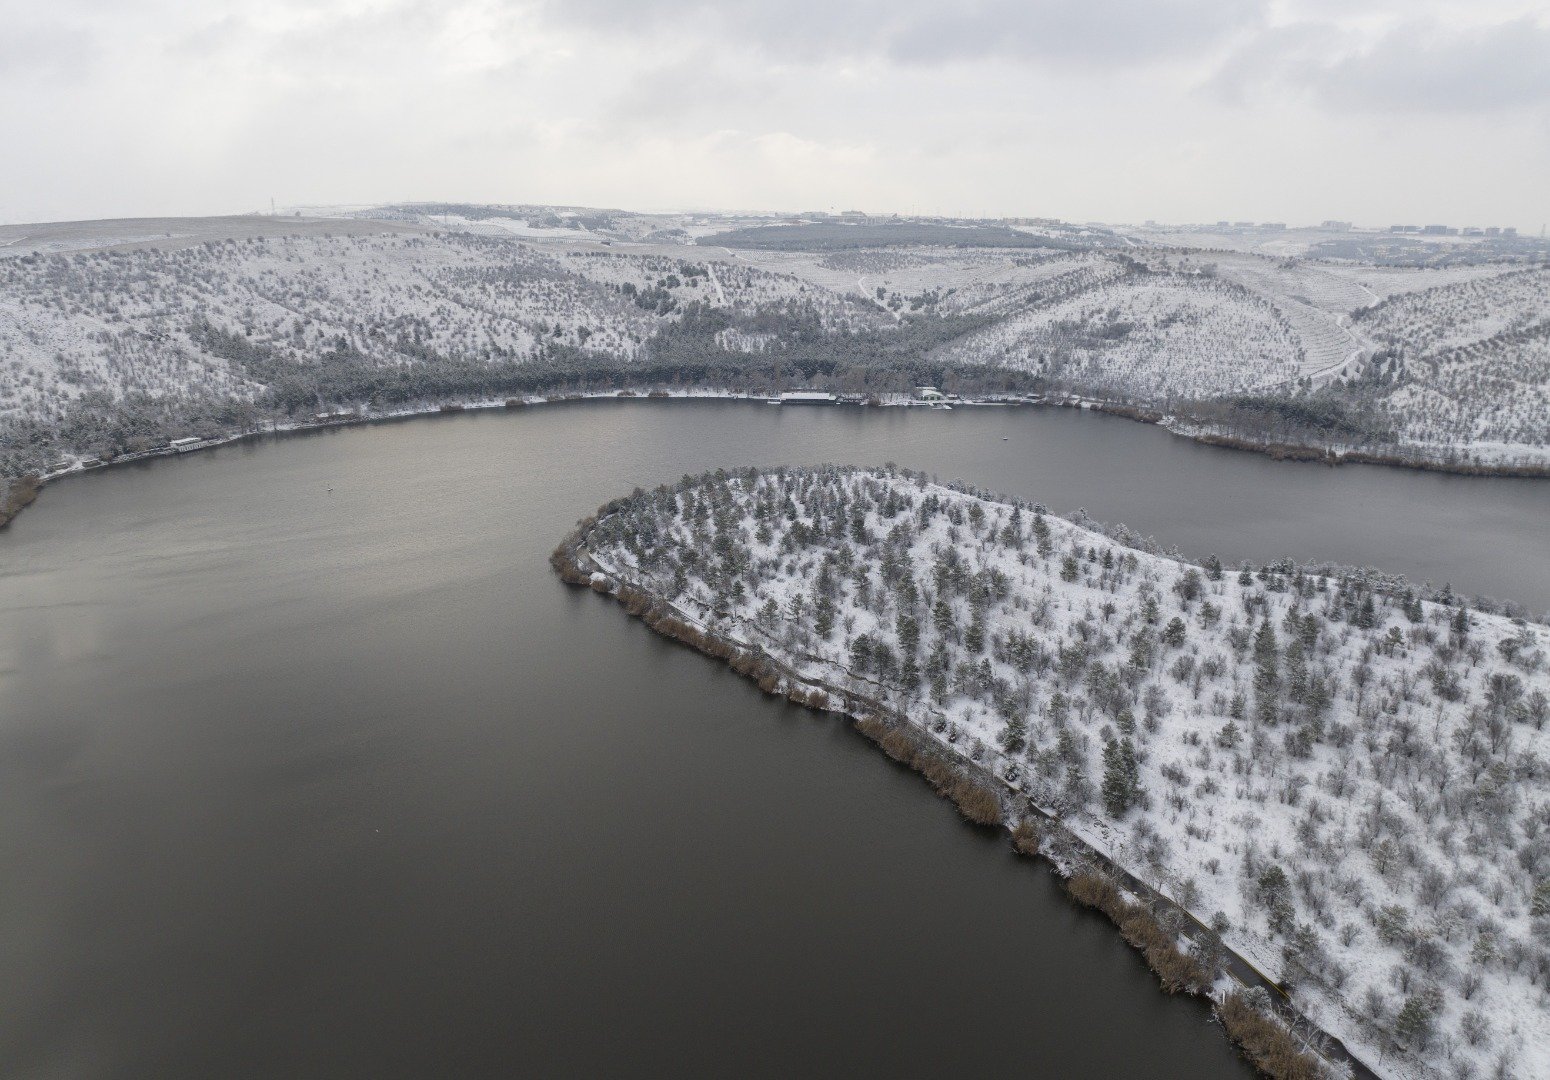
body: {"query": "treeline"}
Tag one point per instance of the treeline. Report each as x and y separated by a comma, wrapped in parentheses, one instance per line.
(685, 353)
(97, 425)
(16, 496)
(798, 348)
(839, 236)
(1319, 418)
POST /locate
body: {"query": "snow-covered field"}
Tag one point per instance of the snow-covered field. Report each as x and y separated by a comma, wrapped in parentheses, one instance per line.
(1350, 777)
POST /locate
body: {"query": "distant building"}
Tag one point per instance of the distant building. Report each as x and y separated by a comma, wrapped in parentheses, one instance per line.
(1509, 231)
(1404, 228)
(927, 393)
(1438, 230)
(1335, 226)
(1472, 230)
(807, 397)
(1243, 224)
(1274, 226)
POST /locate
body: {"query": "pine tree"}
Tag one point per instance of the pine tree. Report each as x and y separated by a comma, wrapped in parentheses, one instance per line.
(1229, 736)
(1366, 614)
(1125, 721)
(1272, 882)
(1461, 622)
(861, 653)
(942, 619)
(1014, 737)
(1132, 769)
(823, 616)
(1413, 1025)
(1149, 610)
(1116, 784)
(1041, 535)
(974, 639)
(1121, 777)
(1265, 645)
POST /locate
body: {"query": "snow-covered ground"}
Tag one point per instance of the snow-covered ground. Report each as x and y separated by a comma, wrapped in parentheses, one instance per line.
(220, 310)
(120, 322)
(1354, 775)
(1152, 335)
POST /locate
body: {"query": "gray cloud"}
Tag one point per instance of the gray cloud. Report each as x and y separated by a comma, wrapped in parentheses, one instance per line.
(45, 49)
(1079, 108)
(1411, 68)
(924, 32)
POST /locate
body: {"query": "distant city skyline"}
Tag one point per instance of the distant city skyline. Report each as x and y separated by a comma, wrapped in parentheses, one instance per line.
(1182, 111)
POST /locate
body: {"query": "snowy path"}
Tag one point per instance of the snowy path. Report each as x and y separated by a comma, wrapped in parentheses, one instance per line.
(715, 281)
(861, 285)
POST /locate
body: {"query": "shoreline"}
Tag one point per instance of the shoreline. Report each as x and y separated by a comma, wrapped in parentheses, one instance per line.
(1304, 452)
(1092, 878)
(32, 484)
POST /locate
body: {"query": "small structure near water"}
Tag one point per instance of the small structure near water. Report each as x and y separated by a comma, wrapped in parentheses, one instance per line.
(807, 397)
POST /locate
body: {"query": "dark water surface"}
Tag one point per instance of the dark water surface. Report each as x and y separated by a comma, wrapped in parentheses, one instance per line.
(298, 782)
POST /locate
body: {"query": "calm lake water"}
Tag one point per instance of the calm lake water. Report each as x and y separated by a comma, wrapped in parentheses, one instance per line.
(310, 767)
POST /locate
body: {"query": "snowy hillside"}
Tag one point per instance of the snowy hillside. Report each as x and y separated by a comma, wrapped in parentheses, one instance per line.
(119, 322)
(1451, 316)
(1349, 777)
(1466, 362)
(115, 334)
(1152, 335)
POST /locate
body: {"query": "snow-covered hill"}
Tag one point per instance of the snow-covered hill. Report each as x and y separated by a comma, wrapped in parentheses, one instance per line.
(1151, 335)
(124, 321)
(1348, 776)
(222, 319)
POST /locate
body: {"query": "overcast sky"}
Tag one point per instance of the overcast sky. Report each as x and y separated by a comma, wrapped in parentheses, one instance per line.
(1380, 111)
